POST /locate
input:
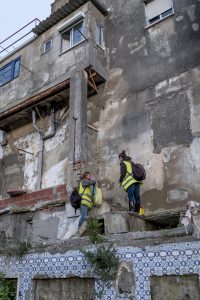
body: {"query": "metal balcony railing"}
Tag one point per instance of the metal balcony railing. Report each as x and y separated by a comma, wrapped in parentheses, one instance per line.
(19, 37)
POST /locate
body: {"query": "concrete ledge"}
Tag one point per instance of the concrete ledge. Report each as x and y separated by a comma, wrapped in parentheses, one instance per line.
(55, 193)
(136, 239)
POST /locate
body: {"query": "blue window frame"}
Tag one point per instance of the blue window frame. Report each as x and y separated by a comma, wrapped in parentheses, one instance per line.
(10, 71)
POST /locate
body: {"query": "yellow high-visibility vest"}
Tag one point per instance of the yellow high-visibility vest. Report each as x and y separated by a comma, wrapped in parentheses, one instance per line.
(128, 179)
(86, 195)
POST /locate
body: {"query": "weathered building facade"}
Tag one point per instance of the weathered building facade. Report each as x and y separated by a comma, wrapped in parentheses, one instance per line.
(100, 77)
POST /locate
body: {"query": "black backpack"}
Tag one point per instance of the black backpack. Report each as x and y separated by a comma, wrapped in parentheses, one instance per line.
(139, 172)
(75, 200)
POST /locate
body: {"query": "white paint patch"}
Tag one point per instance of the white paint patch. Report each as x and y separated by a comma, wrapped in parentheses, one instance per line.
(30, 143)
(194, 115)
(71, 230)
(195, 26)
(114, 50)
(138, 46)
(124, 101)
(195, 150)
(179, 18)
(1, 140)
(191, 12)
(176, 195)
(131, 45)
(45, 77)
(55, 175)
(160, 40)
(116, 72)
(30, 173)
(121, 40)
(59, 138)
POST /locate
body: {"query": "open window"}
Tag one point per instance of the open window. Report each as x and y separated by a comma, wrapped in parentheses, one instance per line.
(157, 10)
(72, 32)
(10, 71)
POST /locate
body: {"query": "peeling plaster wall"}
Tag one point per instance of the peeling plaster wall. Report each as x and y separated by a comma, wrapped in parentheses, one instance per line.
(20, 168)
(150, 103)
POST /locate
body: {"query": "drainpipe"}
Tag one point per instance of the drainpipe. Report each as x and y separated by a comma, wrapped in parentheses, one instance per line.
(43, 138)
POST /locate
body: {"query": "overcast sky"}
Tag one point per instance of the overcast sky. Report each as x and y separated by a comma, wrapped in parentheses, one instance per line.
(14, 14)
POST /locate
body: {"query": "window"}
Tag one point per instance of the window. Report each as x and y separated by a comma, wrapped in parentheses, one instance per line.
(47, 46)
(72, 36)
(100, 36)
(10, 71)
(157, 10)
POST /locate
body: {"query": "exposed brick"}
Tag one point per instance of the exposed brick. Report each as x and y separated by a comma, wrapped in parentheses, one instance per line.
(54, 193)
(61, 188)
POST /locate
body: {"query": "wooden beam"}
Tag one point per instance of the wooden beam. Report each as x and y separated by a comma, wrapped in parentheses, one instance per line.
(35, 99)
(92, 86)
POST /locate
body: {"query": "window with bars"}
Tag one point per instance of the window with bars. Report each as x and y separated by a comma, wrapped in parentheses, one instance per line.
(157, 10)
(10, 71)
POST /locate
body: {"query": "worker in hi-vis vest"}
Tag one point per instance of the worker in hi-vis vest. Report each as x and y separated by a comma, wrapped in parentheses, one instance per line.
(86, 191)
(128, 183)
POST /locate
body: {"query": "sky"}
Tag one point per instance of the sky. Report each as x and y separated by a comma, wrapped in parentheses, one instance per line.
(14, 14)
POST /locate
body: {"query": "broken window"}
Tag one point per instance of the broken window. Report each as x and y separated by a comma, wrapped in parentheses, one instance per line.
(47, 46)
(72, 36)
(100, 36)
(157, 10)
(10, 71)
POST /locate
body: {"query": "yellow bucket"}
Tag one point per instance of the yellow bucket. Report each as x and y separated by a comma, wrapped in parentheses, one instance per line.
(141, 212)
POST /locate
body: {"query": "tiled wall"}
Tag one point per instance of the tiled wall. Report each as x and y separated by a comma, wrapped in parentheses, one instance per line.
(167, 259)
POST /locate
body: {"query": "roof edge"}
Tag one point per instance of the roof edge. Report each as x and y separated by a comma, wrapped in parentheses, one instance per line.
(63, 12)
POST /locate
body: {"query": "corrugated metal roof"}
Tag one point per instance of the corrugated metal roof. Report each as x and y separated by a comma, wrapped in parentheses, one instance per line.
(64, 11)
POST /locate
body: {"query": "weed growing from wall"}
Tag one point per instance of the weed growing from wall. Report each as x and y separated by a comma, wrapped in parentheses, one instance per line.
(8, 288)
(105, 265)
(93, 229)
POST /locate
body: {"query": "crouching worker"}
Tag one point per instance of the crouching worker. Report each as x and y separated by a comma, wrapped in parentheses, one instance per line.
(128, 183)
(86, 191)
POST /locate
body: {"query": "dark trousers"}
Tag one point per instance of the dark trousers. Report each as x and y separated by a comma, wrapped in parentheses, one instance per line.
(134, 197)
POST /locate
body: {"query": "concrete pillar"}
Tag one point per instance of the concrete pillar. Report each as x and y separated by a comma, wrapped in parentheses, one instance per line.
(77, 122)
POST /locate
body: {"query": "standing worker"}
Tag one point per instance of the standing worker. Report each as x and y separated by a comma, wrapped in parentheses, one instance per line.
(128, 183)
(86, 191)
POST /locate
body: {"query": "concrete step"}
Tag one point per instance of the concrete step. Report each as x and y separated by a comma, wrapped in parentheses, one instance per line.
(123, 221)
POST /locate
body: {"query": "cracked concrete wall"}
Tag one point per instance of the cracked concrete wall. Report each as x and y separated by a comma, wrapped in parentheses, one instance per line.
(150, 103)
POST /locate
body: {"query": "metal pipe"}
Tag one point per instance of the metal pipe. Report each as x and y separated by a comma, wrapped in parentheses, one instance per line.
(53, 126)
(36, 19)
(34, 121)
(40, 164)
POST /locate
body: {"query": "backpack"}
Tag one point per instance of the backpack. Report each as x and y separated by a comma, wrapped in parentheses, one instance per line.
(75, 200)
(139, 172)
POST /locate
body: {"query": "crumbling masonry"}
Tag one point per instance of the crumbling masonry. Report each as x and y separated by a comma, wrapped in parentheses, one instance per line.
(98, 77)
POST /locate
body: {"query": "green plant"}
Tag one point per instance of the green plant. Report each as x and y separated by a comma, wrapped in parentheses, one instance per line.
(7, 288)
(93, 228)
(23, 248)
(104, 262)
